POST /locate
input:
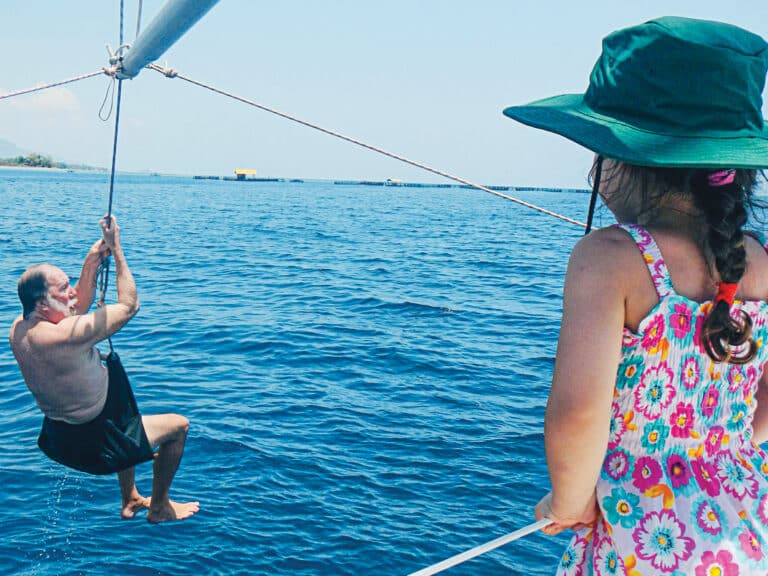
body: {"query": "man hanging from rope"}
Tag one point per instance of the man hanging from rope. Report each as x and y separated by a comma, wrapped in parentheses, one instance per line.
(91, 420)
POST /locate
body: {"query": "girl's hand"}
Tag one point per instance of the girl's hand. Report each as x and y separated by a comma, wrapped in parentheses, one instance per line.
(559, 523)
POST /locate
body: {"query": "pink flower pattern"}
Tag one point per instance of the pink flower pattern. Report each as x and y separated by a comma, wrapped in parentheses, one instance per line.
(677, 470)
(680, 320)
(647, 473)
(762, 509)
(710, 402)
(717, 564)
(750, 545)
(682, 420)
(712, 444)
(691, 373)
(736, 379)
(652, 338)
(706, 476)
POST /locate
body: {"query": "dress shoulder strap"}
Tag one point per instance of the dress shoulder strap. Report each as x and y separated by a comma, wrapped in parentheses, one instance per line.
(653, 259)
(760, 237)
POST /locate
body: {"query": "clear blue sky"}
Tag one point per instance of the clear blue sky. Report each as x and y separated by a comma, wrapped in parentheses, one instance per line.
(426, 79)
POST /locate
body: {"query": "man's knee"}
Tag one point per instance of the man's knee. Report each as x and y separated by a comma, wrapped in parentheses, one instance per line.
(181, 424)
(163, 428)
(178, 426)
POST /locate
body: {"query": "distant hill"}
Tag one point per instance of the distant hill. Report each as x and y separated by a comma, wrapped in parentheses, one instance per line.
(12, 155)
(9, 149)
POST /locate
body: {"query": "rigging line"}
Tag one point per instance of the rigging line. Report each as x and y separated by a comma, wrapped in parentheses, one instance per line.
(174, 74)
(482, 549)
(138, 18)
(45, 87)
(114, 147)
(122, 19)
(103, 272)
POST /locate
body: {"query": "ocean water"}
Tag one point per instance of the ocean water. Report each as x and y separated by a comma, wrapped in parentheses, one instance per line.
(365, 370)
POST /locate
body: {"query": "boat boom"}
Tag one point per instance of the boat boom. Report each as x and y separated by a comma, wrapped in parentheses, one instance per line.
(170, 24)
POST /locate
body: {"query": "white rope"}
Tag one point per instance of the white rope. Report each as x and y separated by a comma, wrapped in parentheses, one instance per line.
(482, 549)
(36, 88)
(170, 73)
(138, 18)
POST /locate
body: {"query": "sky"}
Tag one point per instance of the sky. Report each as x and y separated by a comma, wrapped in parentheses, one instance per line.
(424, 79)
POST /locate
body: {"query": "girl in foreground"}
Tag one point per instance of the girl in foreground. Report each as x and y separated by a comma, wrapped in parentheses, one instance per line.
(659, 398)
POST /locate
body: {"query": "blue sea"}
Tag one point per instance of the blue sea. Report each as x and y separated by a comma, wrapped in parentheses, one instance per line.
(365, 369)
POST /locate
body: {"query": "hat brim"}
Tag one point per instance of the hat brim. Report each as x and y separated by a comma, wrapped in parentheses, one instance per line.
(569, 116)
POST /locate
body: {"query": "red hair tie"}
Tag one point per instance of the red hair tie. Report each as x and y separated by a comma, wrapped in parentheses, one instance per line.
(726, 292)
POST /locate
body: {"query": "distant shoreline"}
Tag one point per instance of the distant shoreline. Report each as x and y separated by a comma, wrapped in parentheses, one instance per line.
(336, 182)
(20, 167)
(53, 168)
(386, 183)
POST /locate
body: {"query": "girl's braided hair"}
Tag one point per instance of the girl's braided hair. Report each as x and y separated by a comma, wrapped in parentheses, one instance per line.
(726, 337)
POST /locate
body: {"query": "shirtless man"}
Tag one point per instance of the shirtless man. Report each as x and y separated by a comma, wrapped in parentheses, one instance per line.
(91, 420)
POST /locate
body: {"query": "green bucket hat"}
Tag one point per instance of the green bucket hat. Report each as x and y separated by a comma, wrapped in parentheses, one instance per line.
(673, 92)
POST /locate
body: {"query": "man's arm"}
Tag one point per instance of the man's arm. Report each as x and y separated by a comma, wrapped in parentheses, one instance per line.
(127, 296)
(88, 329)
(86, 284)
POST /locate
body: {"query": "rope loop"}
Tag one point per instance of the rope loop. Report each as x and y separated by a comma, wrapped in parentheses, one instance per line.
(117, 56)
(110, 92)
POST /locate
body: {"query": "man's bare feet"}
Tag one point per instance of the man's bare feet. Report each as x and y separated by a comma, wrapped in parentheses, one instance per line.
(172, 511)
(134, 505)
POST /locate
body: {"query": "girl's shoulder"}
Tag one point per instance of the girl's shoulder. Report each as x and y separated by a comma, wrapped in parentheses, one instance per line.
(754, 283)
(610, 253)
(606, 244)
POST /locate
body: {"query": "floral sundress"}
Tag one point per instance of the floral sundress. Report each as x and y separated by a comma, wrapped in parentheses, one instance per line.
(683, 488)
